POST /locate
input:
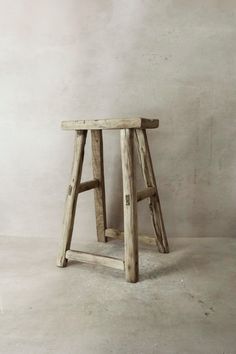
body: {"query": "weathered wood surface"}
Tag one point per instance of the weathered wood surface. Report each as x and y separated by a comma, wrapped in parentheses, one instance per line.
(70, 205)
(119, 235)
(130, 206)
(150, 181)
(146, 193)
(95, 259)
(86, 186)
(99, 192)
(123, 123)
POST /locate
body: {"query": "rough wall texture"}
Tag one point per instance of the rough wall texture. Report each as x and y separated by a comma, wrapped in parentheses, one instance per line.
(73, 59)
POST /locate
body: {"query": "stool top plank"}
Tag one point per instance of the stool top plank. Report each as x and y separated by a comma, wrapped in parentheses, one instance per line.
(123, 123)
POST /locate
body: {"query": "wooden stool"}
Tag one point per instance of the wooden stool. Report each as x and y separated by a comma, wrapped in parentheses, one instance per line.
(129, 129)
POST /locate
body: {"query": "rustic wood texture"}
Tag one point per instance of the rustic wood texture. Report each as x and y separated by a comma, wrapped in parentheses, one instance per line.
(70, 205)
(150, 181)
(86, 186)
(146, 193)
(125, 123)
(129, 129)
(119, 235)
(99, 192)
(95, 259)
(130, 206)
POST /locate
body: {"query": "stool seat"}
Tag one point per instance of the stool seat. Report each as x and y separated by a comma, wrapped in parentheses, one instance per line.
(124, 123)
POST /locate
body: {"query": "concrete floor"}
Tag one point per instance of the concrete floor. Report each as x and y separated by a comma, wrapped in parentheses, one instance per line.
(185, 302)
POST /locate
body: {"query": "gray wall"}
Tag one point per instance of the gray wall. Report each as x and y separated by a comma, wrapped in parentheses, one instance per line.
(74, 59)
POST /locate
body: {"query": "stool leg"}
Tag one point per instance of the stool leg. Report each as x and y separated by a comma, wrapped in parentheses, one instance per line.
(71, 199)
(130, 206)
(150, 181)
(99, 192)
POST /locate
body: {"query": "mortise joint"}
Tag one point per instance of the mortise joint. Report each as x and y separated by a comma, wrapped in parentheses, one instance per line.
(127, 199)
(69, 190)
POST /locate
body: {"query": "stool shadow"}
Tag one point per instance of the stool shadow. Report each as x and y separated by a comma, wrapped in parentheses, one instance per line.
(181, 258)
(176, 262)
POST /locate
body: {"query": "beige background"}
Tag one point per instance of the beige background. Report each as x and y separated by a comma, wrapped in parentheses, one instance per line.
(73, 59)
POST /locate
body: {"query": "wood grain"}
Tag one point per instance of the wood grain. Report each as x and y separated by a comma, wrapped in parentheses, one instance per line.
(95, 259)
(119, 235)
(150, 181)
(86, 186)
(146, 193)
(99, 192)
(130, 206)
(123, 123)
(71, 199)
